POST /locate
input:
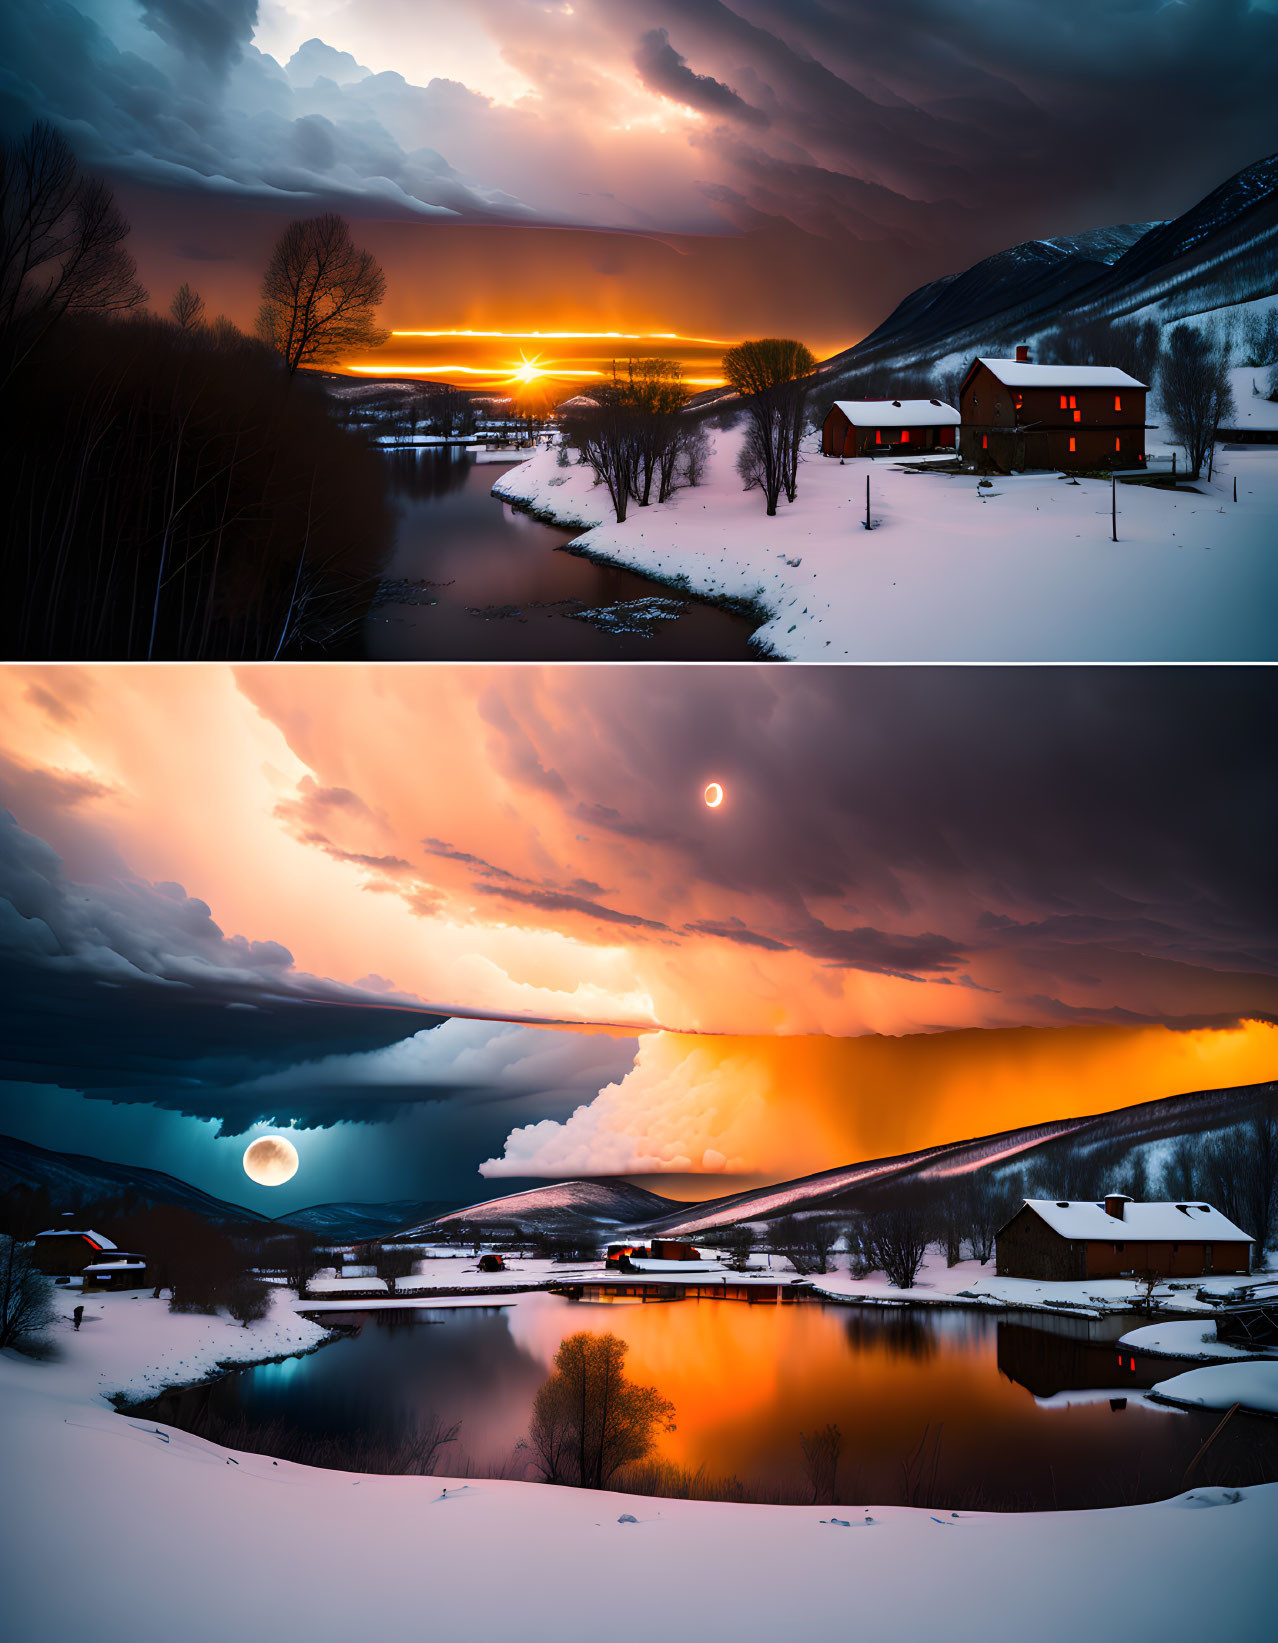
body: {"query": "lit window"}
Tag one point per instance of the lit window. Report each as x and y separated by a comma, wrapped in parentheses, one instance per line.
(1018, 400)
(1073, 443)
(905, 436)
(878, 436)
(1118, 444)
(1073, 403)
(985, 442)
(1118, 402)
(1064, 403)
(1078, 416)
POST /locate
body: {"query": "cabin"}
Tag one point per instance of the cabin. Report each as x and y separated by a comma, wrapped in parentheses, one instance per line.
(64, 1253)
(667, 1251)
(122, 1271)
(1018, 415)
(491, 1263)
(888, 427)
(1112, 1237)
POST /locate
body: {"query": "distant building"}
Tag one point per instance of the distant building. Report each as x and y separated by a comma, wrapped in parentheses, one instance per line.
(1020, 415)
(888, 427)
(667, 1251)
(1059, 1239)
(491, 1263)
(122, 1271)
(64, 1253)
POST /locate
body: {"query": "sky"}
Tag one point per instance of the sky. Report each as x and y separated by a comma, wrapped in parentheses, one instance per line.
(684, 166)
(468, 926)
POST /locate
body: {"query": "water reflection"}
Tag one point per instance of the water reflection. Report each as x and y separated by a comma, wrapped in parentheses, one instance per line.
(472, 579)
(1003, 1403)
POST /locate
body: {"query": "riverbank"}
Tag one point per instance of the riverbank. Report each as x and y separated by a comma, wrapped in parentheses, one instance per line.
(1023, 569)
(244, 1546)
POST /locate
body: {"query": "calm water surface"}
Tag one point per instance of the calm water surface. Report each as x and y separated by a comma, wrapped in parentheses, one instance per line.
(1018, 1412)
(473, 579)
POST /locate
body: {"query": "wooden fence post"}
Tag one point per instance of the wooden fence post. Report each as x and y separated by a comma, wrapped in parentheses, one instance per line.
(1113, 503)
(867, 502)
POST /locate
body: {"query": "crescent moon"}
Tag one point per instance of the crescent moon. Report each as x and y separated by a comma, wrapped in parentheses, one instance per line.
(714, 795)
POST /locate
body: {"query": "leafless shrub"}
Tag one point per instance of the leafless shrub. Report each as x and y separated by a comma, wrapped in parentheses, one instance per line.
(821, 1452)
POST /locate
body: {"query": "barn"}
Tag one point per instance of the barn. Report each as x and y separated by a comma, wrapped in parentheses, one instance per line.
(64, 1253)
(122, 1271)
(888, 427)
(1017, 415)
(1105, 1238)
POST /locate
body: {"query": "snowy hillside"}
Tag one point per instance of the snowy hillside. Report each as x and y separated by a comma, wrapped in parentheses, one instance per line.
(566, 1204)
(73, 1179)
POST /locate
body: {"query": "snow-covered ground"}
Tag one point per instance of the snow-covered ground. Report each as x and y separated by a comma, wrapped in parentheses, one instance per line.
(1253, 409)
(971, 1281)
(1023, 570)
(129, 1533)
(1254, 1385)
(1187, 1338)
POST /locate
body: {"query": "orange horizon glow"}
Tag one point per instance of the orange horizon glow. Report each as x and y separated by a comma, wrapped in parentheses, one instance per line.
(484, 354)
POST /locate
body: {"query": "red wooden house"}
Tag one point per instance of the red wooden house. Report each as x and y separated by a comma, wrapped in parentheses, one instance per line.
(888, 427)
(1020, 415)
(1055, 1239)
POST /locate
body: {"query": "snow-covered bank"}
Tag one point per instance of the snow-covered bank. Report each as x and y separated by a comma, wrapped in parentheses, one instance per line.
(1221, 1385)
(156, 1534)
(1022, 570)
(1186, 1338)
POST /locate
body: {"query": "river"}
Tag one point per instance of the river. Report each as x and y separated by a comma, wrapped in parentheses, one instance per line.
(944, 1406)
(472, 579)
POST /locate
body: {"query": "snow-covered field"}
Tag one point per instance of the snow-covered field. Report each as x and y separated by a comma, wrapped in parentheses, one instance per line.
(128, 1533)
(973, 1282)
(1220, 1385)
(1023, 570)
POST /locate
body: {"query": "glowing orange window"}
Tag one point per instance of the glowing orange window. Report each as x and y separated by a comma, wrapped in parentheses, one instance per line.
(905, 436)
(1073, 403)
(878, 436)
(1118, 402)
(1078, 416)
(1064, 403)
(1118, 444)
(985, 442)
(1018, 400)
(1073, 443)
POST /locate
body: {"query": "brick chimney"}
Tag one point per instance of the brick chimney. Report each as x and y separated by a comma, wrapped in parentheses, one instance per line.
(1022, 353)
(1114, 1202)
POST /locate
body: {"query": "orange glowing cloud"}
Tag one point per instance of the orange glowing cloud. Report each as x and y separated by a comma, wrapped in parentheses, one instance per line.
(786, 1107)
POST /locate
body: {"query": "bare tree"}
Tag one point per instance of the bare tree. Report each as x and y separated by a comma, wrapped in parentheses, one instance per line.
(320, 294)
(1195, 391)
(393, 1261)
(588, 1419)
(26, 1297)
(821, 1452)
(61, 244)
(249, 1299)
(771, 376)
(1238, 1173)
(187, 308)
(897, 1241)
(603, 430)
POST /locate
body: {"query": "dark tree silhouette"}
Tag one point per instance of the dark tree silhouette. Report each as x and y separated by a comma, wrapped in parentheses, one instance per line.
(26, 1295)
(771, 375)
(1195, 391)
(61, 244)
(187, 308)
(588, 1419)
(320, 294)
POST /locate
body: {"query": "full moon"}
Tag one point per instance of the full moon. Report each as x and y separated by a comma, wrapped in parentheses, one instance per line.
(714, 795)
(270, 1160)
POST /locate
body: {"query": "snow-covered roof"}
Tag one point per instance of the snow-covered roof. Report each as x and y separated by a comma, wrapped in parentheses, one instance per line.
(1162, 1222)
(648, 1263)
(1015, 373)
(892, 413)
(99, 1238)
(134, 1262)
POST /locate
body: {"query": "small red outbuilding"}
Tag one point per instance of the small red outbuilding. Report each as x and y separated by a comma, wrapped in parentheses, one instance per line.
(888, 427)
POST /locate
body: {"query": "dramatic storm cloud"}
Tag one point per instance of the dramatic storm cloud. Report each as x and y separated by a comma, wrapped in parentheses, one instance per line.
(231, 895)
(859, 149)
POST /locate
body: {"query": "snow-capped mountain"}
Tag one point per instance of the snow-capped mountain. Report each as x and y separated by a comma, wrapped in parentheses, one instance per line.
(565, 1205)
